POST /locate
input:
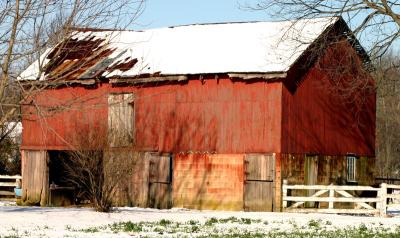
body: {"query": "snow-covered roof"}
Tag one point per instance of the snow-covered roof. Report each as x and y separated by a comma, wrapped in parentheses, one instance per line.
(250, 47)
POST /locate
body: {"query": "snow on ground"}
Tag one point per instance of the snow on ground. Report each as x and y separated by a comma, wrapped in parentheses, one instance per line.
(19, 221)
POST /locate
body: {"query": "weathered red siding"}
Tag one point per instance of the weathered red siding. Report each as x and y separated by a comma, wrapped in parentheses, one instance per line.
(317, 119)
(206, 181)
(78, 110)
(216, 115)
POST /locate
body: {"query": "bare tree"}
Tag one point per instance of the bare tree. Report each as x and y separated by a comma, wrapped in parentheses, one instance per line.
(375, 22)
(29, 28)
(387, 76)
(10, 159)
(96, 171)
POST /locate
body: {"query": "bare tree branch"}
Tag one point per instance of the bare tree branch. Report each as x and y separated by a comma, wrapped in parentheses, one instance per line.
(28, 28)
(376, 21)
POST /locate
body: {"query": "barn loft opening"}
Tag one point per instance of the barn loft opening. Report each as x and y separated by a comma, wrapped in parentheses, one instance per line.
(120, 119)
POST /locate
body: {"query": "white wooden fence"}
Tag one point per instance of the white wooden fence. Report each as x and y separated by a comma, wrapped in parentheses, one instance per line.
(332, 194)
(7, 181)
(395, 196)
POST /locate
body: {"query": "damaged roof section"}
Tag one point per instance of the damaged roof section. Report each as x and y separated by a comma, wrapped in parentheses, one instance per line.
(83, 58)
(261, 49)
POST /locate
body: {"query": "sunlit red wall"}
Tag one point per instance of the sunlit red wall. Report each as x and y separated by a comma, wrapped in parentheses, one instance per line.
(221, 115)
(213, 115)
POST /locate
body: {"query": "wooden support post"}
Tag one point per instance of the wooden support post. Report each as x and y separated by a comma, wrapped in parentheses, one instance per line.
(278, 184)
(383, 195)
(331, 195)
(284, 193)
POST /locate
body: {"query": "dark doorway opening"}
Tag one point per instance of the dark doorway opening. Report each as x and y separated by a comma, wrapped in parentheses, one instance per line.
(62, 192)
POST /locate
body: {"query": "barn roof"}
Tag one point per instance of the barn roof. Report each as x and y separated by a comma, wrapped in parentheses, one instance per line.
(242, 48)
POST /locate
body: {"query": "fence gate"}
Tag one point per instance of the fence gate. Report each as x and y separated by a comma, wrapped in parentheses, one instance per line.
(160, 181)
(259, 182)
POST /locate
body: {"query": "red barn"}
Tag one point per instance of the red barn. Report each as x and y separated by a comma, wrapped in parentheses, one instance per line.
(221, 113)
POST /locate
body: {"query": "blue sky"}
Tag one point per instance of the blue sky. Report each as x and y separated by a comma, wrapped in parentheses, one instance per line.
(162, 13)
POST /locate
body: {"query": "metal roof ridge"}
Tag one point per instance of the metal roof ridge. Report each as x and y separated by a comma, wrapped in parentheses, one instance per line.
(92, 29)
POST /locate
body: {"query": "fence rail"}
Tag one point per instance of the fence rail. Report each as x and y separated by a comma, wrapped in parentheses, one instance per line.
(7, 182)
(332, 194)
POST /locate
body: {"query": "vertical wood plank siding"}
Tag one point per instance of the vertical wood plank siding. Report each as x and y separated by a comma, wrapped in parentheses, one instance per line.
(149, 182)
(120, 120)
(331, 169)
(259, 182)
(222, 116)
(35, 177)
(214, 115)
(317, 119)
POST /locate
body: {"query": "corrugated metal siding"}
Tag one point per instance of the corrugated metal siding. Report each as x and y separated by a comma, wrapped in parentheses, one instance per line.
(212, 115)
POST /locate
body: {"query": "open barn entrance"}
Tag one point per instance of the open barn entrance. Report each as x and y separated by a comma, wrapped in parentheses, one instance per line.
(62, 192)
(142, 179)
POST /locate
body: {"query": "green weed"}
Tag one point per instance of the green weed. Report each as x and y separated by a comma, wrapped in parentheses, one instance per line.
(90, 230)
(164, 222)
(211, 221)
(126, 227)
(314, 223)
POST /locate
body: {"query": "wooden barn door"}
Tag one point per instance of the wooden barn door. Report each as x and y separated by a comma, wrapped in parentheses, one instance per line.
(259, 183)
(160, 181)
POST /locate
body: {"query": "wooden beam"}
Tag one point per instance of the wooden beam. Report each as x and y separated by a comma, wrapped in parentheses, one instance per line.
(335, 187)
(332, 211)
(348, 195)
(56, 83)
(7, 193)
(277, 205)
(329, 199)
(10, 177)
(249, 76)
(383, 199)
(393, 186)
(395, 196)
(317, 194)
(8, 184)
(148, 79)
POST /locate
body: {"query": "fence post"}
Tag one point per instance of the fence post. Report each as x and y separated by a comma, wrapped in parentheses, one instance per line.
(284, 193)
(383, 195)
(331, 195)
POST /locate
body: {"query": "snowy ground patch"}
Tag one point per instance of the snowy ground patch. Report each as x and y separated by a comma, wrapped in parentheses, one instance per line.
(140, 222)
(4, 203)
